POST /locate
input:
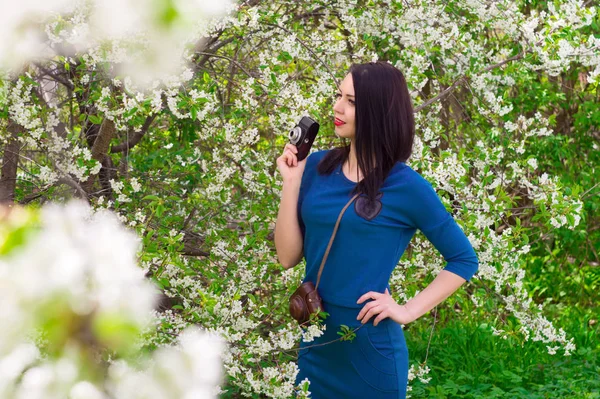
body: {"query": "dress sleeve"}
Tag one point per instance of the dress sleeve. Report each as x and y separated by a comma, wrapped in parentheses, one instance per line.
(429, 215)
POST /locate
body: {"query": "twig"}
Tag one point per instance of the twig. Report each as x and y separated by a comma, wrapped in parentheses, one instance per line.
(591, 188)
(321, 344)
(132, 142)
(431, 334)
(49, 73)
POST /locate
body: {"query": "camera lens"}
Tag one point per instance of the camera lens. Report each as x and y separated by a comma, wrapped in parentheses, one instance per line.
(295, 135)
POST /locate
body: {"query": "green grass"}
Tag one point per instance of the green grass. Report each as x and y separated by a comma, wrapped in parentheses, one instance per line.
(468, 361)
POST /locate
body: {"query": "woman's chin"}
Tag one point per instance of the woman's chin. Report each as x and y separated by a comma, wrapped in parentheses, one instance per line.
(343, 135)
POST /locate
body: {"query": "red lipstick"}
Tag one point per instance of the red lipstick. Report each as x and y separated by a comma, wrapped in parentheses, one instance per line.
(338, 122)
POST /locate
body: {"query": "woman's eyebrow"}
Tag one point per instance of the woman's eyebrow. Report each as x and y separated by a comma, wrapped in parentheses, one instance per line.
(347, 95)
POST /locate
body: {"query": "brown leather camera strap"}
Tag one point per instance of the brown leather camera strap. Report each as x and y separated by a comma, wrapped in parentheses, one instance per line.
(337, 223)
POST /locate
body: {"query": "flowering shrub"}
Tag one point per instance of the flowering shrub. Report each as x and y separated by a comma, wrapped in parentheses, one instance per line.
(188, 162)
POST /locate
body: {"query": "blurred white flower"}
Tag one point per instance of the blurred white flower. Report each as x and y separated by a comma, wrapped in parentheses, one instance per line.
(50, 380)
(146, 38)
(13, 364)
(86, 390)
(190, 370)
(74, 276)
(78, 259)
(21, 30)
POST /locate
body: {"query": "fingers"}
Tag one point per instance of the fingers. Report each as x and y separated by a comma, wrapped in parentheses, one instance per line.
(371, 312)
(381, 305)
(365, 309)
(292, 159)
(370, 294)
(380, 317)
(290, 152)
(291, 147)
(289, 158)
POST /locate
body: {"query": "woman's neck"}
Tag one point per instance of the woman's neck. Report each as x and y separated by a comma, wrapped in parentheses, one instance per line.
(352, 163)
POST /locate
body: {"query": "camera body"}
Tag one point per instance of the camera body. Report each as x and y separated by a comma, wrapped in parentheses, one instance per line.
(302, 136)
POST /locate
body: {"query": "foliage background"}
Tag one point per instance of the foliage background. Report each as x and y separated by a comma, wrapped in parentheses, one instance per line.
(508, 125)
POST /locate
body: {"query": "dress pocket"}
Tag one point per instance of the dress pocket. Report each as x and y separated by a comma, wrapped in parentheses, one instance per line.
(373, 367)
(380, 340)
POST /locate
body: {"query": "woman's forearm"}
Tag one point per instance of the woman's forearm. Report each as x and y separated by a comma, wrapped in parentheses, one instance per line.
(288, 236)
(444, 284)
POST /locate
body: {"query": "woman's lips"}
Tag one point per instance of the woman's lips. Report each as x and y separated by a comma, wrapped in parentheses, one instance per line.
(338, 122)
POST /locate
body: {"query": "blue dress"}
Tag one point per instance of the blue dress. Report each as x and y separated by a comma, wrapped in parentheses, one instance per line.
(370, 241)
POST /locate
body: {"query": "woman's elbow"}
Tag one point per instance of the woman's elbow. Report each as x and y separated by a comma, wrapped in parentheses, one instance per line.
(289, 263)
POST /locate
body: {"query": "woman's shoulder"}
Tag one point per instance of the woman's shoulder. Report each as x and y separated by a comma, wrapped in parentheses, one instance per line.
(310, 169)
(313, 158)
(402, 174)
(317, 155)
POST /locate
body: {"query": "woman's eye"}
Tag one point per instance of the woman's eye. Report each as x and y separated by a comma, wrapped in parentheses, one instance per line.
(338, 95)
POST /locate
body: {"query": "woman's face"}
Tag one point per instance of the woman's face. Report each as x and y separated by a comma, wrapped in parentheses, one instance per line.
(343, 109)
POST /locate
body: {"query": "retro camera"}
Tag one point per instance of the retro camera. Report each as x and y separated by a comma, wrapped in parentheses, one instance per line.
(303, 135)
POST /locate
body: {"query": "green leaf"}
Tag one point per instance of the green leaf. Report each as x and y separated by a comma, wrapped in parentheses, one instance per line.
(150, 197)
(96, 120)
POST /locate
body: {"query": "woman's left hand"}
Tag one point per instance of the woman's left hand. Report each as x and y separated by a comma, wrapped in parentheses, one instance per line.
(384, 306)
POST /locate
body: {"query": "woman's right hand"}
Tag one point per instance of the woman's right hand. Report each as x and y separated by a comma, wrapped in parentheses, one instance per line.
(288, 165)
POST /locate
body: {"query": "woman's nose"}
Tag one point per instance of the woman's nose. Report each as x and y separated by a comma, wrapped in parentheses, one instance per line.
(337, 107)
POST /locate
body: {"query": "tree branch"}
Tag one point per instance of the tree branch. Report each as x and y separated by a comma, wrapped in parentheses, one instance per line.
(69, 181)
(54, 76)
(195, 252)
(124, 147)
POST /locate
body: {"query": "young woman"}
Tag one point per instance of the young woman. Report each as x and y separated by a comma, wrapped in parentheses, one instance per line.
(374, 111)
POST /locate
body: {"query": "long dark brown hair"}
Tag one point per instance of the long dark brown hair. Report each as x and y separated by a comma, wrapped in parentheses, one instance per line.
(385, 125)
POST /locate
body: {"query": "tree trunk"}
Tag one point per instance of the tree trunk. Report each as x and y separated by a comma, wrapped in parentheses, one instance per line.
(100, 147)
(10, 160)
